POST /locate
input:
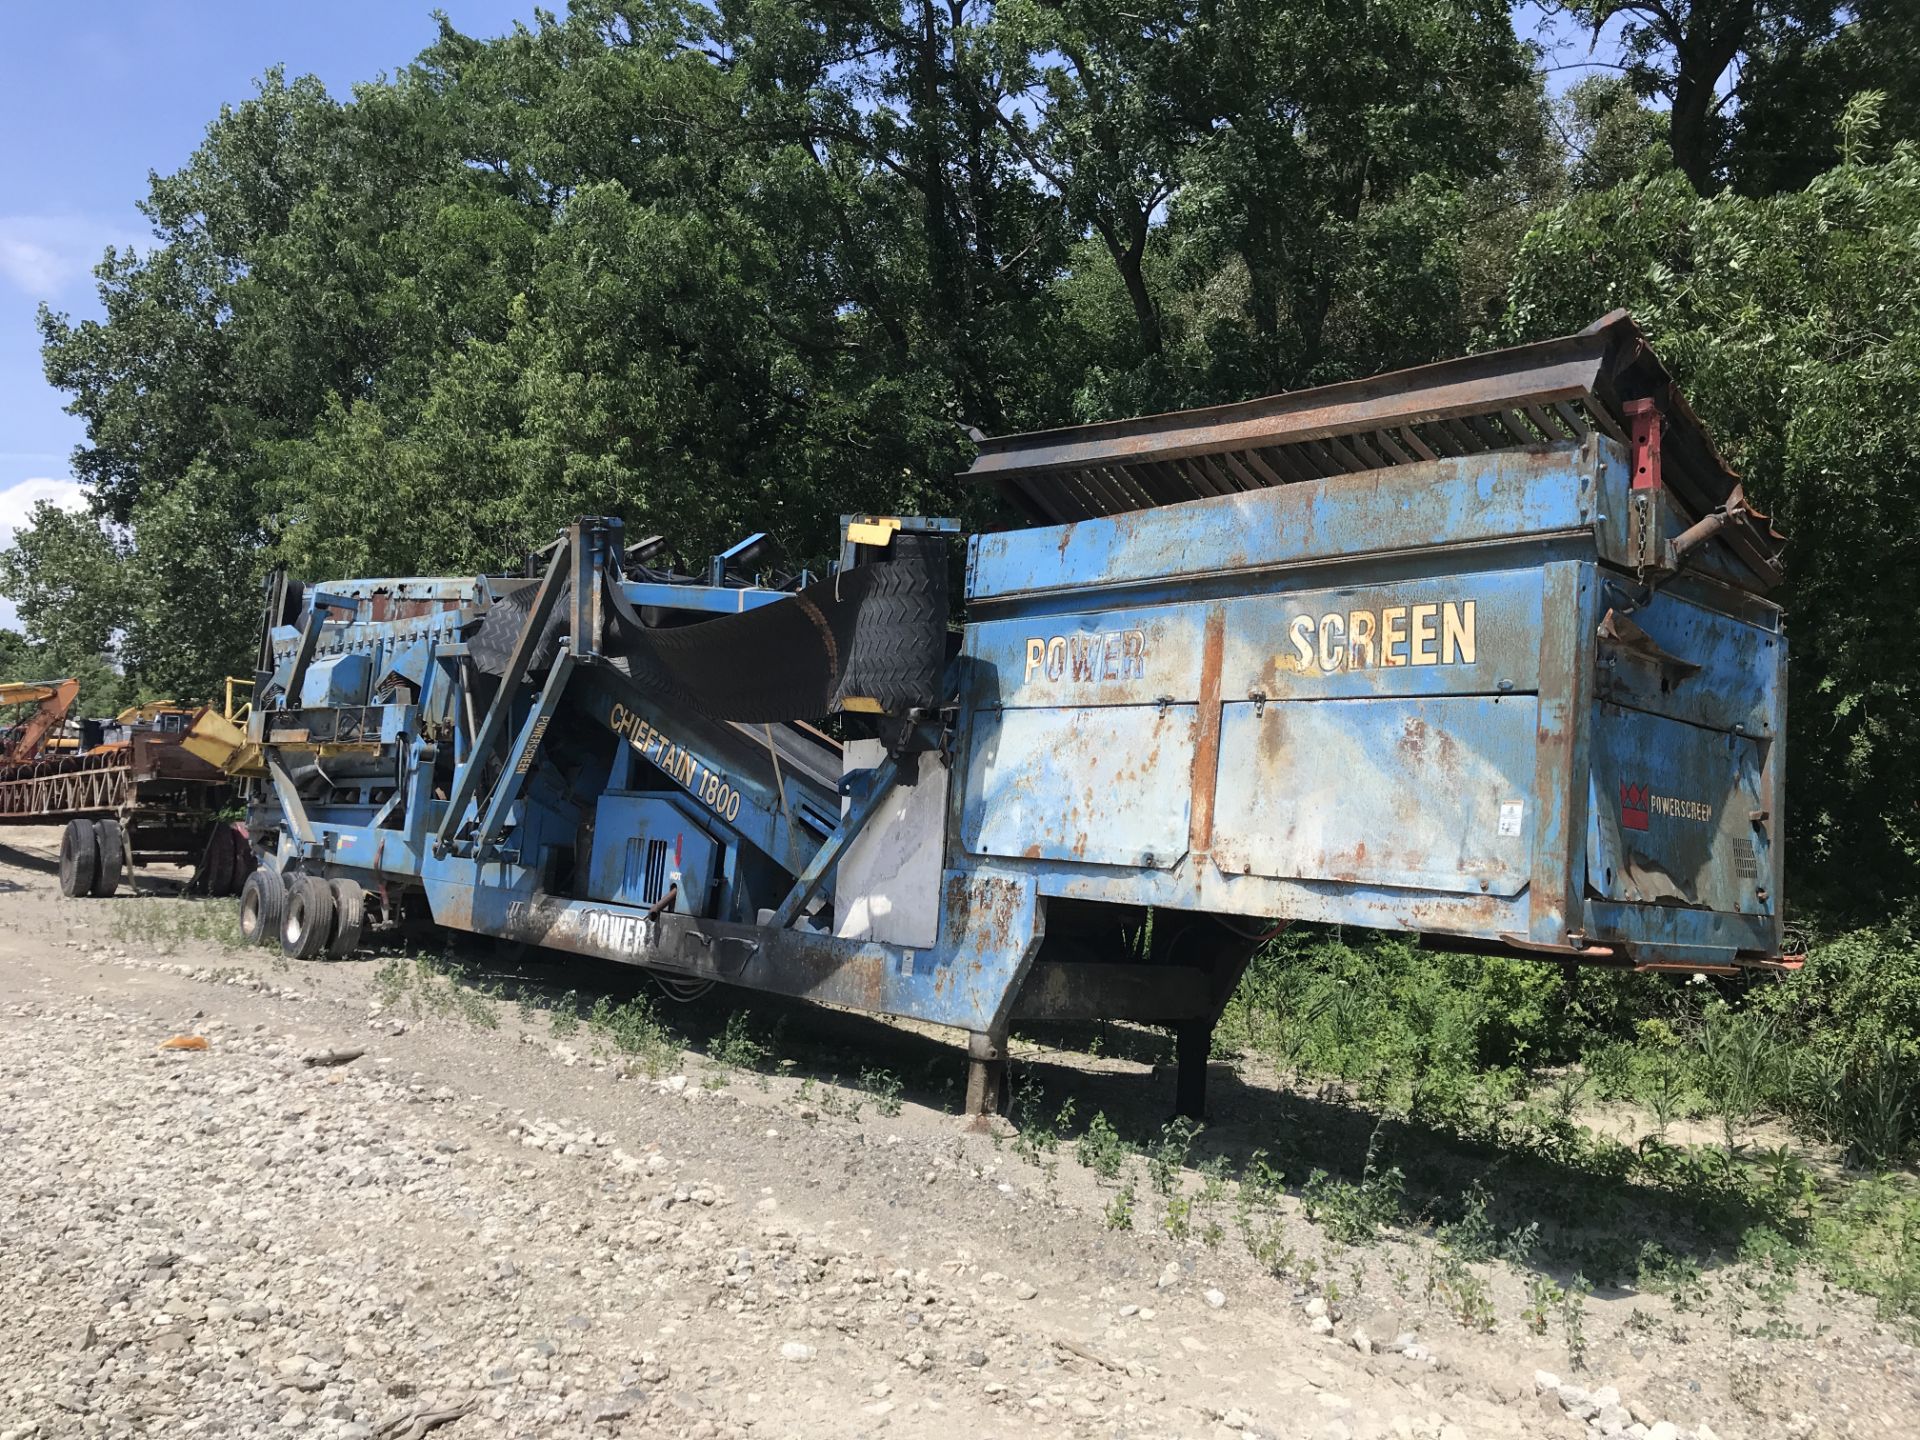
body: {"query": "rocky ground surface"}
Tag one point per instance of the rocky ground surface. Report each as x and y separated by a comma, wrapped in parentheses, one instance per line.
(340, 1214)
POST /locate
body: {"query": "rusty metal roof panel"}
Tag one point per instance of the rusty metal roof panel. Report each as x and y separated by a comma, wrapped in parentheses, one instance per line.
(1551, 393)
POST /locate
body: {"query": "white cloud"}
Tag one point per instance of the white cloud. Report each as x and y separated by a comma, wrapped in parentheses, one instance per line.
(44, 256)
(16, 509)
(17, 502)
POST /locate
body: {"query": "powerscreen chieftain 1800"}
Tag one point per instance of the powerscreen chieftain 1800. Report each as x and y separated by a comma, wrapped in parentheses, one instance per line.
(1478, 650)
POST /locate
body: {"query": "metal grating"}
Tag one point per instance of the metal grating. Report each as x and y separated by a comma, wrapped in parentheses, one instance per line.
(1553, 393)
(646, 869)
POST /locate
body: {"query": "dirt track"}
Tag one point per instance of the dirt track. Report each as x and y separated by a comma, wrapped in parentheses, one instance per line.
(490, 1231)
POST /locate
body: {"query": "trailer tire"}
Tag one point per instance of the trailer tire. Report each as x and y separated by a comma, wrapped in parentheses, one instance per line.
(349, 918)
(229, 859)
(79, 859)
(244, 860)
(111, 844)
(263, 900)
(216, 862)
(308, 921)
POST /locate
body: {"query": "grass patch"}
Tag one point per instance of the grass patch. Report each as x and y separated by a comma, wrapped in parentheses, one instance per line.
(885, 1089)
(1484, 1065)
(170, 926)
(737, 1046)
(435, 986)
(1355, 1214)
(634, 1030)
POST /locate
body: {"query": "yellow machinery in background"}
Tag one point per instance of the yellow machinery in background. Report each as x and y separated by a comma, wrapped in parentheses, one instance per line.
(219, 737)
(52, 700)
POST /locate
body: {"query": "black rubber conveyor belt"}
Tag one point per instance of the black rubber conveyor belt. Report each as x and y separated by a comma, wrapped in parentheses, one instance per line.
(875, 633)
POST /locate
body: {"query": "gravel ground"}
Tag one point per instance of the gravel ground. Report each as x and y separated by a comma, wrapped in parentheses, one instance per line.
(344, 1219)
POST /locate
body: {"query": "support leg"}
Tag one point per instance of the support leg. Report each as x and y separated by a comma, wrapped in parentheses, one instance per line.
(126, 855)
(986, 1073)
(1193, 1043)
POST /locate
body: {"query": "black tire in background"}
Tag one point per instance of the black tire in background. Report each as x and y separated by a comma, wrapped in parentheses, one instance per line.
(216, 861)
(79, 859)
(263, 900)
(244, 860)
(307, 924)
(349, 918)
(111, 844)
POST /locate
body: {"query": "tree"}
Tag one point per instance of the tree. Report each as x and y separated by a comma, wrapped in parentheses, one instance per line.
(1797, 89)
(1683, 50)
(1101, 120)
(750, 267)
(1611, 137)
(1336, 146)
(69, 582)
(1277, 188)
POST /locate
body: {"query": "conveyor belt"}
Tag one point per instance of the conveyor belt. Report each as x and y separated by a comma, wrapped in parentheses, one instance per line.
(871, 638)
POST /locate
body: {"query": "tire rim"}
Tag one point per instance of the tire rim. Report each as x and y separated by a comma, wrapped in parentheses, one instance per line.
(296, 922)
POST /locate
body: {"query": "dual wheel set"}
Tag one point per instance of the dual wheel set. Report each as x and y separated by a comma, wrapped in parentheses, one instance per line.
(307, 915)
(93, 857)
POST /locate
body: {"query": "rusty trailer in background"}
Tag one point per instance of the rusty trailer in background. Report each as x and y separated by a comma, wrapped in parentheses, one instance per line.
(1480, 651)
(126, 791)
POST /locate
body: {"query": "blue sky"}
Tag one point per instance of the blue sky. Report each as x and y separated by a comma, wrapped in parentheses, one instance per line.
(92, 97)
(95, 95)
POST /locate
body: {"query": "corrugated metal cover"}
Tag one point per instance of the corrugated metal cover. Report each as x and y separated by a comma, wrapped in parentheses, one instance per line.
(1553, 393)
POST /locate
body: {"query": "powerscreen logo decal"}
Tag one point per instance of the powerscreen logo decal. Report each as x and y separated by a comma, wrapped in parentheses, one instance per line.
(1638, 806)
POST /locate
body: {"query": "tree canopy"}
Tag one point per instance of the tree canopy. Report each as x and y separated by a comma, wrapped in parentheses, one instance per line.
(755, 263)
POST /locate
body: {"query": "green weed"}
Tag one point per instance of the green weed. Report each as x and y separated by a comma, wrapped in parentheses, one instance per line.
(1261, 1183)
(1472, 1236)
(1742, 1062)
(1266, 1242)
(1213, 1189)
(1518, 1244)
(1543, 1303)
(390, 983)
(840, 1102)
(1263, 1231)
(1354, 1214)
(1177, 1219)
(1035, 1136)
(474, 1006)
(1573, 1320)
(1459, 1291)
(632, 1029)
(1169, 1156)
(1870, 1241)
(737, 1047)
(884, 1087)
(1101, 1149)
(1661, 1272)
